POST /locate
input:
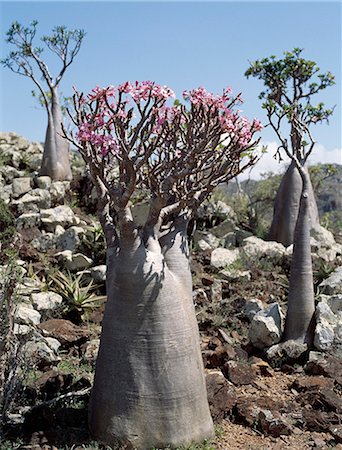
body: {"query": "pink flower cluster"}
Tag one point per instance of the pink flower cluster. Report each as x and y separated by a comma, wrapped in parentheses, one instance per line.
(165, 114)
(105, 111)
(201, 96)
(146, 89)
(93, 133)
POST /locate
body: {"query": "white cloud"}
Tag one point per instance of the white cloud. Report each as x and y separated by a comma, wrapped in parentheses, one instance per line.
(267, 162)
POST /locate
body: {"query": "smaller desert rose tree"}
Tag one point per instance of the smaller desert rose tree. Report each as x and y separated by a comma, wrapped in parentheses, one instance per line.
(27, 60)
(149, 388)
(291, 83)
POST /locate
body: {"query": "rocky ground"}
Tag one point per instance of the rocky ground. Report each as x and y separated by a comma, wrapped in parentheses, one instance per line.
(52, 276)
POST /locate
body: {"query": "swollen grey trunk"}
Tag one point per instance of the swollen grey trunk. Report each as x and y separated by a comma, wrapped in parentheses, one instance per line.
(55, 161)
(286, 206)
(149, 389)
(299, 323)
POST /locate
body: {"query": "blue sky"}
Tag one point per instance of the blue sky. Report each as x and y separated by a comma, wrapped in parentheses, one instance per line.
(180, 44)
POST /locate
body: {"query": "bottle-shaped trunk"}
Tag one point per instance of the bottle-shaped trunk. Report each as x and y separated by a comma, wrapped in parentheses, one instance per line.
(286, 206)
(149, 389)
(299, 324)
(55, 161)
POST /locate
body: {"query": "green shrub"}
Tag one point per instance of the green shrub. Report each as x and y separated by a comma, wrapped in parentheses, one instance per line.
(7, 222)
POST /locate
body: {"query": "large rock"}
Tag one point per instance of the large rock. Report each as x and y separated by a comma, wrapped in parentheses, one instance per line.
(254, 247)
(9, 173)
(240, 373)
(221, 394)
(25, 314)
(231, 274)
(28, 220)
(333, 284)
(215, 209)
(70, 239)
(288, 351)
(223, 257)
(323, 236)
(266, 327)
(74, 261)
(44, 301)
(225, 227)
(28, 285)
(205, 240)
(58, 190)
(60, 215)
(64, 331)
(33, 201)
(40, 351)
(6, 193)
(44, 242)
(21, 186)
(328, 332)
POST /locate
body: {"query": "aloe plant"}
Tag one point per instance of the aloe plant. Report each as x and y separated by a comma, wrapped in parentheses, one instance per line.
(78, 297)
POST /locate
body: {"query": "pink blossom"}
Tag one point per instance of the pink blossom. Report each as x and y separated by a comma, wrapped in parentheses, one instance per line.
(257, 125)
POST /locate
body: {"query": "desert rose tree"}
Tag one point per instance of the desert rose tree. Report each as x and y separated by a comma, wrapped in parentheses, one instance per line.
(289, 88)
(290, 83)
(149, 389)
(27, 60)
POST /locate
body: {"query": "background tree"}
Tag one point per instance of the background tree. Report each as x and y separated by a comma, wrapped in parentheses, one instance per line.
(295, 201)
(290, 84)
(27, 60)
(149, 388)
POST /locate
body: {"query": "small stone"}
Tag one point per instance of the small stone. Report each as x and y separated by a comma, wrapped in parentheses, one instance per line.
(336, 431)
(312, 383)
(58, 191)
(252, 307)
(98, 273)
(21, 186)
(53, 343)
(38, 351)
(240, 373)
(223, 257)
(273, 424)
(216, 291)
(60, 215)
(21, 329)
(90, 350)
(43, 182)
(287, 351)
